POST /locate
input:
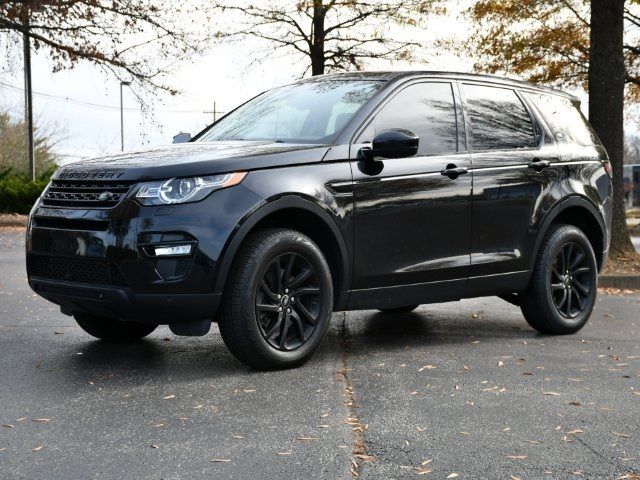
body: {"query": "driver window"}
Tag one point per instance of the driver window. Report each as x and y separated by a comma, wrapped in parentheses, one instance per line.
(426, 109)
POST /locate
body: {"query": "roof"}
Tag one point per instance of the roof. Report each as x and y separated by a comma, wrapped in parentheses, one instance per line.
(392, 76)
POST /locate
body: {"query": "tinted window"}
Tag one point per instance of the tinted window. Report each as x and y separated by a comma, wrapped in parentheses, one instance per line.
(565, 119)
(426, 109)
(310, 112)
(499, 120)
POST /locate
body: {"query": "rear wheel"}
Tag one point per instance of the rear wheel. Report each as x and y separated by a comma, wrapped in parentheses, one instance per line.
(278, 300)
(392, 311)
(563, 287)
(112, 330)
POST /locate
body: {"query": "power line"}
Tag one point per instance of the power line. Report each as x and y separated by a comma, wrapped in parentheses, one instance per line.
(96, 106)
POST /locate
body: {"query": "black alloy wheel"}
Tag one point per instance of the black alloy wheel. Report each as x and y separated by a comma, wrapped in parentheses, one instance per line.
(571, 282)
(278, 300)
(288, 300)
(564, 283)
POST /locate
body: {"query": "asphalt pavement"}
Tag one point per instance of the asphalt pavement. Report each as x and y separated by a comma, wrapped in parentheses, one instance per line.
(460, 390)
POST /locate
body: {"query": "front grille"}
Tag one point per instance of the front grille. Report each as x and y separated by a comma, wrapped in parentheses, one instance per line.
(70, 223)
(85, 193)
(95, 271)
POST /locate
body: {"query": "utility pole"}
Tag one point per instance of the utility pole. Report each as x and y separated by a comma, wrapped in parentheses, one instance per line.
(122, 116)
(28, 98)
(215, 112)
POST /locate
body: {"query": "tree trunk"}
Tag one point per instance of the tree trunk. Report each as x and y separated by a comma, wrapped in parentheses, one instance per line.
(606, 102)
(317, 39)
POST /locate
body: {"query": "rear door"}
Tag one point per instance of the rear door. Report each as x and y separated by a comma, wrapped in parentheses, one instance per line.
(411, 221)
(514, 172)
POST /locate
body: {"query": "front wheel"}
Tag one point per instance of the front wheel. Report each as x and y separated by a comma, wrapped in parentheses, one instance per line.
(112, 330)
(278, 300)
(563, 287)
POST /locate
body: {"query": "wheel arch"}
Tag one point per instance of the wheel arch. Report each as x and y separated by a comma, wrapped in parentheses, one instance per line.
(305, 216)
(580, 212)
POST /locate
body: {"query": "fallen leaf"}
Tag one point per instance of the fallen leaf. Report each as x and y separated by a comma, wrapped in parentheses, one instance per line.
(452, 475)
(366, 458)
(38, 448)
(427, 367)
(8, 425)
(516, 457)
(41, 420)
(169, 397)
(551, 393)
(623, 435)
(307, 438)
(220, 460)
(154, 446)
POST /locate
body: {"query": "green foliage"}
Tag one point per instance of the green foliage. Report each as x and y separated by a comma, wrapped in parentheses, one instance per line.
(18, 193)
(14, 154)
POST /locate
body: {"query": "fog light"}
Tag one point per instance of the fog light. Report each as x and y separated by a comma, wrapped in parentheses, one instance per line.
(173, 250)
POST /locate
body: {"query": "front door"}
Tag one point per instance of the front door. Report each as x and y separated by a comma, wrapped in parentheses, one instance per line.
(412, 222)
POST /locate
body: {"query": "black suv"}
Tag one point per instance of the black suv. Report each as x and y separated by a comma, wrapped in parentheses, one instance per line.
(341, 192)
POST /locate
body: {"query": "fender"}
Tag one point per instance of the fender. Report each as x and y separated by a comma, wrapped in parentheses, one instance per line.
(557, 209)
(246, 225)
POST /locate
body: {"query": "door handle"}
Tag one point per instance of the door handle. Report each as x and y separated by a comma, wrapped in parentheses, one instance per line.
(453, 171)
(539, 165)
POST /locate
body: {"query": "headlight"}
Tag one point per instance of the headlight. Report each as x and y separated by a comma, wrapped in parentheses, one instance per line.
(182, 190)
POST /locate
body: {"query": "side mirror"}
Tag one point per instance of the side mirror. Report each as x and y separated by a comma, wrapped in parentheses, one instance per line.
(182, 137)
(394, 143)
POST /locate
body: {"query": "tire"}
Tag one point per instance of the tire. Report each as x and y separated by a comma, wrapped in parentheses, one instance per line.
(111, 330)
(556, 302)
(263, 320)
(393, 311)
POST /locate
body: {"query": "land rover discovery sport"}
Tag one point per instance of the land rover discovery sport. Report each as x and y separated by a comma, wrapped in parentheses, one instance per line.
(340, 192)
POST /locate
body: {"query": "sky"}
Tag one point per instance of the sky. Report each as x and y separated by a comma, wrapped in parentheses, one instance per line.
(83, 104)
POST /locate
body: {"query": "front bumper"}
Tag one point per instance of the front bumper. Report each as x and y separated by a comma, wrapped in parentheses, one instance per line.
(124, 304)
(101, 261)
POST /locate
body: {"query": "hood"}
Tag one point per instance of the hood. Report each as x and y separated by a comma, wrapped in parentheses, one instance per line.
(190, 159)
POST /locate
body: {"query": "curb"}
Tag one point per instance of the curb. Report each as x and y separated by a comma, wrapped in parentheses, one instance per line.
(623, 282)
(13, 220)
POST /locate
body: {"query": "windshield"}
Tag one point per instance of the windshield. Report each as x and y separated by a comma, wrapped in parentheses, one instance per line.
(311, 112)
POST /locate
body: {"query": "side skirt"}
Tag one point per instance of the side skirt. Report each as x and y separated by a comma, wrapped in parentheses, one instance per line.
(504, 285)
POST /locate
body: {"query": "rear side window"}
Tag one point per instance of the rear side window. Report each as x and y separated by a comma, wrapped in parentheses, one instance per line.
(426, 109)
(565, 119)
(499, 120)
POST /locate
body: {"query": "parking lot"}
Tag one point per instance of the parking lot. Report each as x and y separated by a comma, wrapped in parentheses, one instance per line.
(458, 390)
